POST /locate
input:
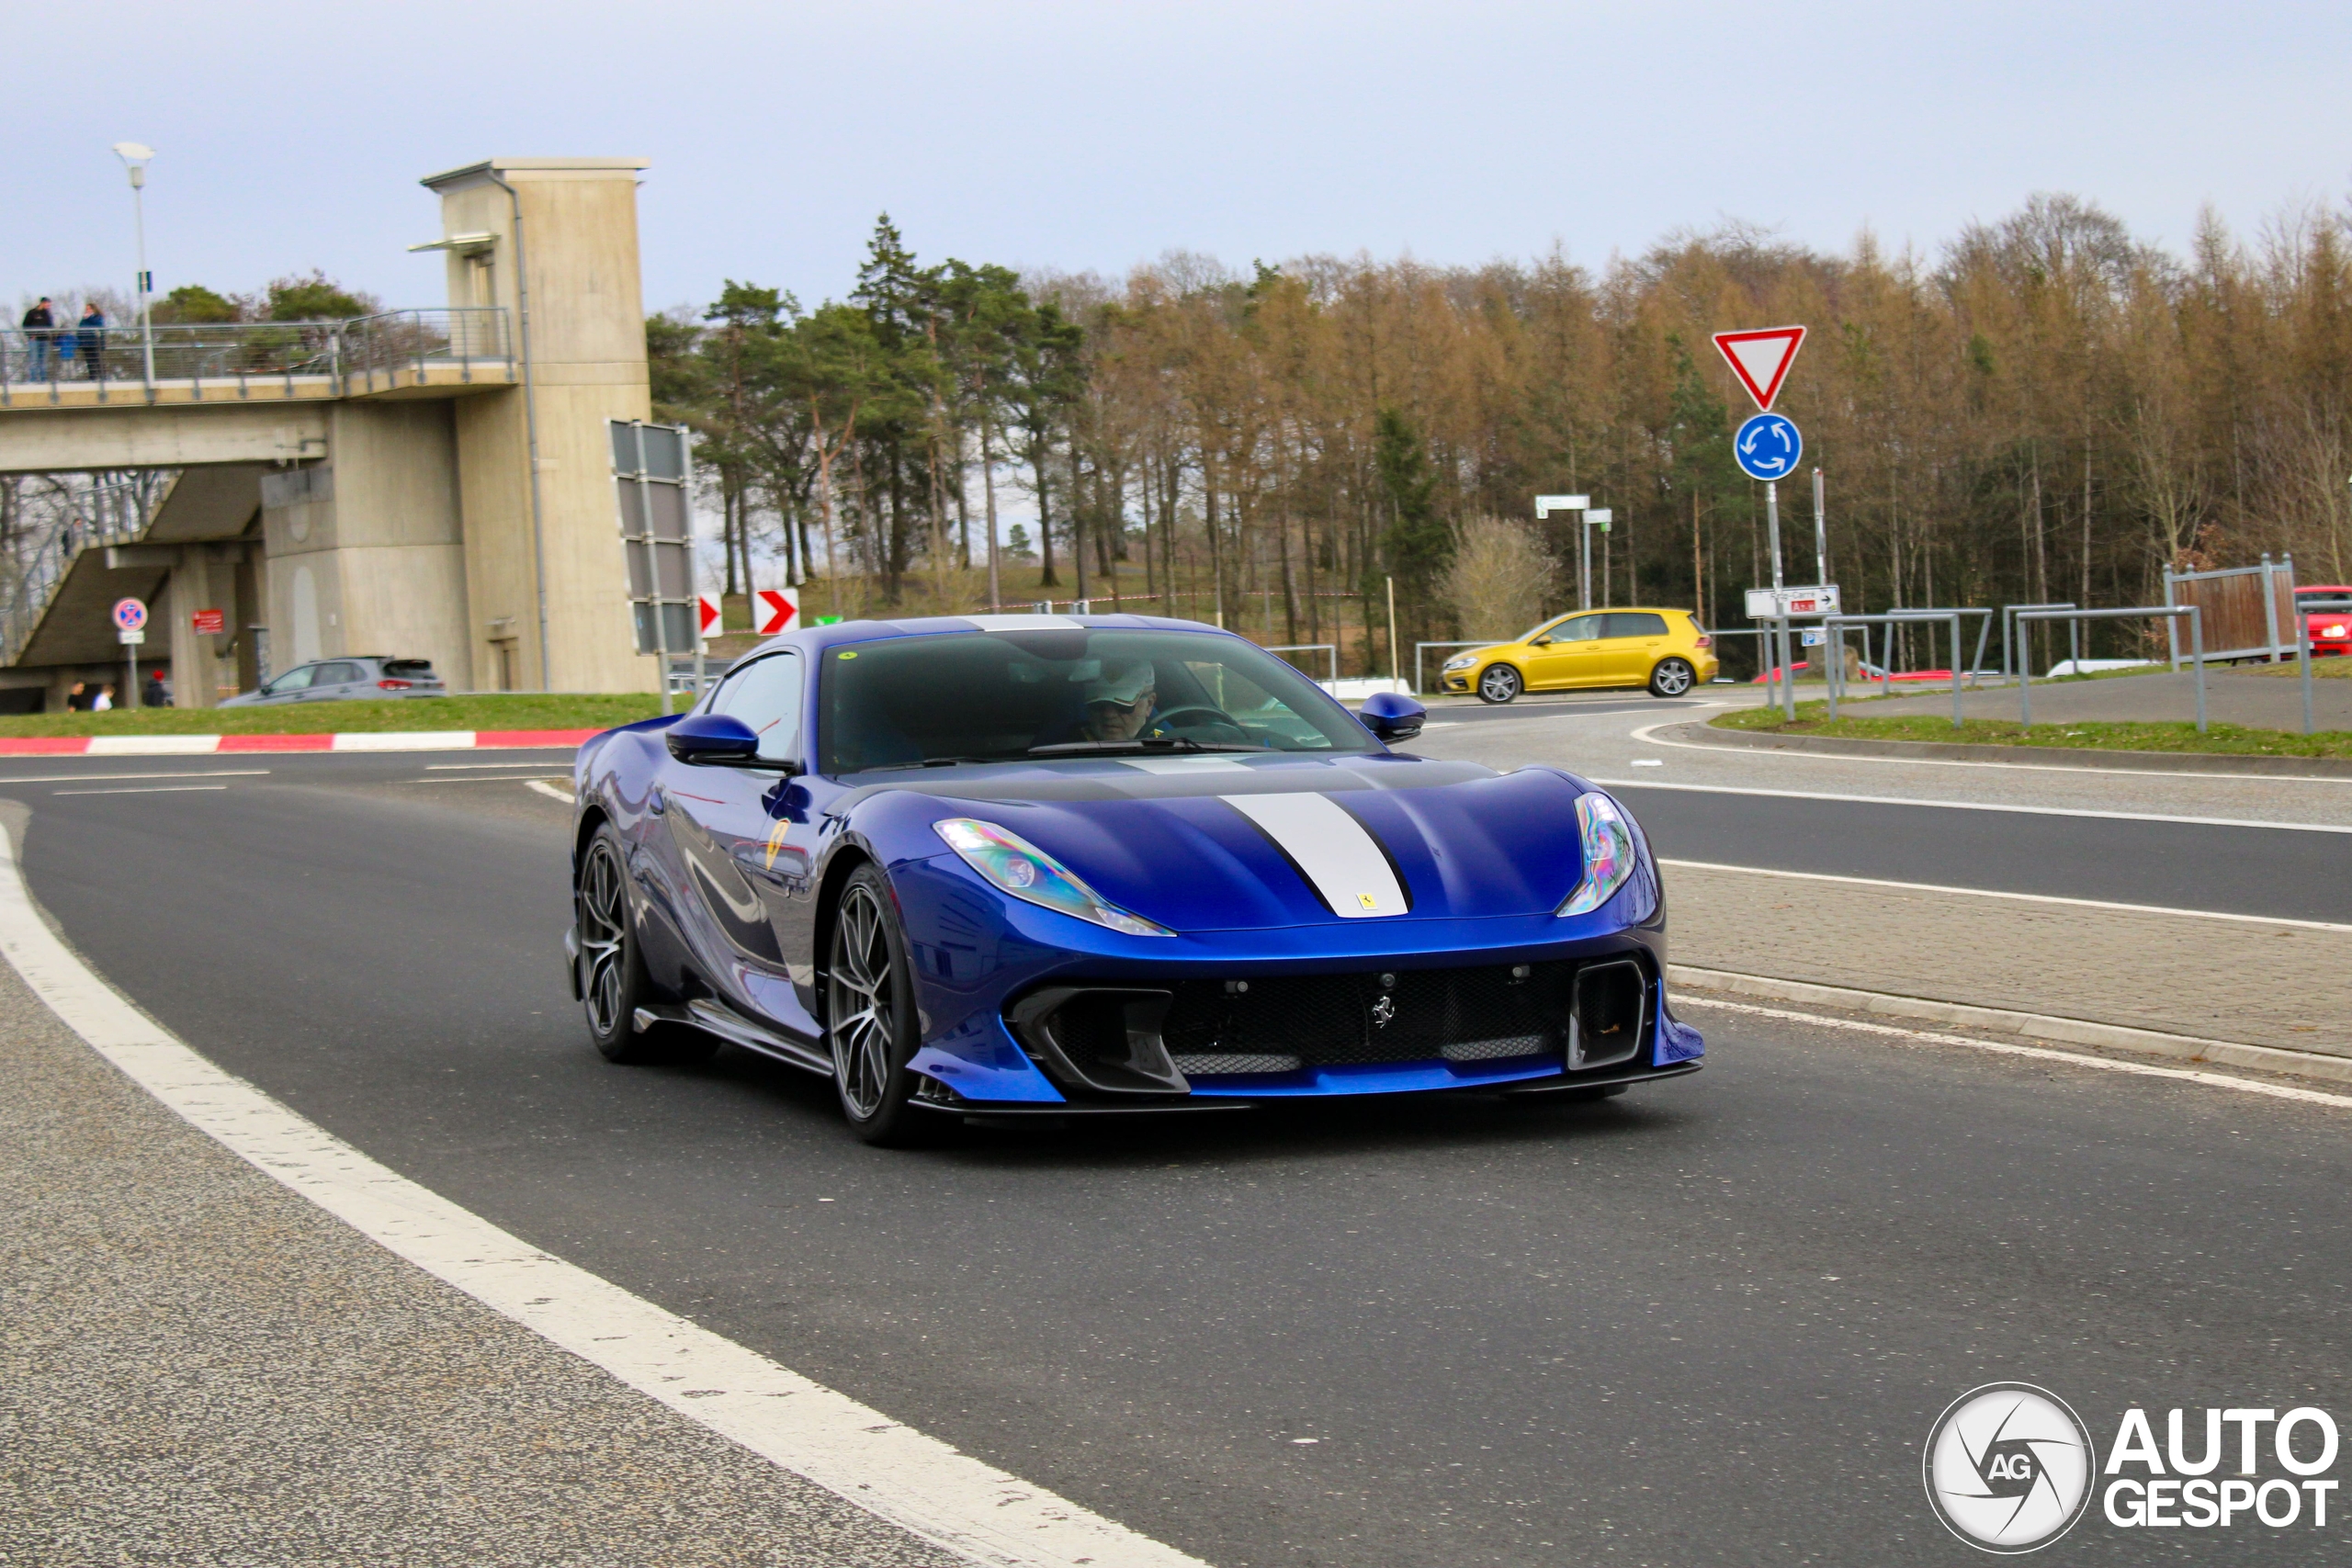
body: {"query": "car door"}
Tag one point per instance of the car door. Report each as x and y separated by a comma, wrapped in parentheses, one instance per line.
(1634, 640)
(1572, 658)
(290, 687)
(746, 845)
(334, 678)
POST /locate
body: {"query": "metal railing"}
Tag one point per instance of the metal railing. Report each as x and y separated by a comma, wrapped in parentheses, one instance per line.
(2304, 609)
(2242, 609)
(1419, 685)
(41, 365)
(1834, 632)
(2171, 614)
(1330, 648)
(106, 514)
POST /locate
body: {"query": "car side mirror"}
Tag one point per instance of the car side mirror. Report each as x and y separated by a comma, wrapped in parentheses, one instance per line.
(1392, 715)
(1540, 642)
(713, 739)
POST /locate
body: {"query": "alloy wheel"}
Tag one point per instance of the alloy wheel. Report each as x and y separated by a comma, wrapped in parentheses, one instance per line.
(862, 1023)
(1672, 678)
(604, 933)
(1498, 684)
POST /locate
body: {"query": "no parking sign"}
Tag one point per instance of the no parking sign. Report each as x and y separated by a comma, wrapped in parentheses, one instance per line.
(131, 620)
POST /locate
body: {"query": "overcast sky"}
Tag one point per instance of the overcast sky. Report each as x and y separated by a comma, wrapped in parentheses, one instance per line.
(1096, 135)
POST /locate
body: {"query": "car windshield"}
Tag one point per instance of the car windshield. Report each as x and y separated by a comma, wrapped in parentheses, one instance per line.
(1004, 696)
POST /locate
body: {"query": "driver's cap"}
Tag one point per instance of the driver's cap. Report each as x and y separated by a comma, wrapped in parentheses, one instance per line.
(1122, 682)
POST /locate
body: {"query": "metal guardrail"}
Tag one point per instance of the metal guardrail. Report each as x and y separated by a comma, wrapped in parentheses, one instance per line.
(38, 365)
(1330, 648)
(2304, 609)
(2171, 614)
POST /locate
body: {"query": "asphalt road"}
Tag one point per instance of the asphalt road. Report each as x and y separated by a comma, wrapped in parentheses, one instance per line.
(1708, 1323)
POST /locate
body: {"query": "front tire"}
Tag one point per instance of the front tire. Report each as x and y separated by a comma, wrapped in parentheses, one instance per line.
(870, 1019)
(1672, 678)
(1499, 683)
(613, 982)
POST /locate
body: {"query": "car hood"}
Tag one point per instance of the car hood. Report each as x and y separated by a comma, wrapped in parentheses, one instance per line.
(1232, 843)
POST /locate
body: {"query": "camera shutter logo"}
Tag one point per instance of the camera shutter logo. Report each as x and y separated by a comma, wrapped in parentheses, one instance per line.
(2008, 1467)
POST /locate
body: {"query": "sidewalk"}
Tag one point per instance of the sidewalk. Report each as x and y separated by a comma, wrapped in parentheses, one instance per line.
(2257, 982)
(201, 1367)
(2232, 696)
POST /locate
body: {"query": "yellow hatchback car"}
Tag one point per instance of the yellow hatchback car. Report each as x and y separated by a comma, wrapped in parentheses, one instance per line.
(1666, 650)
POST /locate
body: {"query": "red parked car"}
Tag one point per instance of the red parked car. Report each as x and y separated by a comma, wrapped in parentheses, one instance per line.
(2331, 630)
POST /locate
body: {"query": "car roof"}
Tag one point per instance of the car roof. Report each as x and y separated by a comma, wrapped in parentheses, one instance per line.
(816, 639)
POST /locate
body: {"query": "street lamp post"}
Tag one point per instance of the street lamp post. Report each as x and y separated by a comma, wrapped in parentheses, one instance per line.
(134, 157)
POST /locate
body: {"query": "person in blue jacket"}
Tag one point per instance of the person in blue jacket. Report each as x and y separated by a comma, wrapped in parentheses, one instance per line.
(91, 331)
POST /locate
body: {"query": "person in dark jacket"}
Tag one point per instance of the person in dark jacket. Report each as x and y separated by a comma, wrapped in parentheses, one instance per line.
(39, 324)
(154, 693)
(78, 699)
(91, 331)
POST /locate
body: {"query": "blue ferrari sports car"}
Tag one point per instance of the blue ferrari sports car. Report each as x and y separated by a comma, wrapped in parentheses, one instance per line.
(997, 866)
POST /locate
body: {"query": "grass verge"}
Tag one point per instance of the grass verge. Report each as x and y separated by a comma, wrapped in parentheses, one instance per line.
(520, 710)
(2220, 739)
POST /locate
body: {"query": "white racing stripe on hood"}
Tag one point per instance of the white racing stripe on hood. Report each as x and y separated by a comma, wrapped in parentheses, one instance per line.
(1183, 764)
(1345, 864)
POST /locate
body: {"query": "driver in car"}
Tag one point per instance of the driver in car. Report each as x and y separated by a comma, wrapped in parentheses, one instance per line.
(1120, 701)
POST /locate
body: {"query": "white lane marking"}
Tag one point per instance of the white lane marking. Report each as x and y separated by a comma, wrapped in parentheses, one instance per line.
(1342, 861)
(93, 778)
(152, 745)
(2039, 1053)
(982, 1514)
(157, 789)
(1647, 738)
(2017, 898)
(484, 778)
(403, 740)
(547, 789)
(1977, 806)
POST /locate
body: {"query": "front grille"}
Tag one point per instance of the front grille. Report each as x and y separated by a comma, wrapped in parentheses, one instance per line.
(1136, 1039)
(1285, 1022)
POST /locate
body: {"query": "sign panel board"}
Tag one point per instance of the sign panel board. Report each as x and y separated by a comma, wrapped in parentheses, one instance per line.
(131, 638)
(773, 610)
(1547, 504)
(129, 615)
(209, 623)
(1762, 359)
(1820, 600)
(705, 613)
(651, 479)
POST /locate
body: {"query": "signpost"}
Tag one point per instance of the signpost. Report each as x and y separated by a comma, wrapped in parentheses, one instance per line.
(1770, 605)
(130, 625)
(1767, 448)
(1594, 517)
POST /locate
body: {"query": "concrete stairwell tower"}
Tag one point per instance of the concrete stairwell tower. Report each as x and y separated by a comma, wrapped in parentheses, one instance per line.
(554, 242)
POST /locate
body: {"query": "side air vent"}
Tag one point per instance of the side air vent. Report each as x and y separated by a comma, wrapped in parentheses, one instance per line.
(1605, 1023)
(1104, 1040)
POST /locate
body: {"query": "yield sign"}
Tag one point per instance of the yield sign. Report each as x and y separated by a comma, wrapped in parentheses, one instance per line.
(705, 613)
(1762, 359)
(775, 609)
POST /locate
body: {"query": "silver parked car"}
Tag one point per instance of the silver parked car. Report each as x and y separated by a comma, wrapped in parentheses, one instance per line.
(369, 677)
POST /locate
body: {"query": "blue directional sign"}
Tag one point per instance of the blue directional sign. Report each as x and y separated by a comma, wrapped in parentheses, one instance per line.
(1768, 447)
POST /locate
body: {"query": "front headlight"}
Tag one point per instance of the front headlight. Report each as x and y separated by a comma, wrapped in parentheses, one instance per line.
(1015, 865)
(1609, 852)
(1461, 662)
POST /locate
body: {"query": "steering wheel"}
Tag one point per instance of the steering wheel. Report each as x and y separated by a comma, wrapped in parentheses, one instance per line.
(1209, 717)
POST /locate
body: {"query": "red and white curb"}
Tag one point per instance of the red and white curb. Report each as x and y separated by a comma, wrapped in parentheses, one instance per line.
(342, 740)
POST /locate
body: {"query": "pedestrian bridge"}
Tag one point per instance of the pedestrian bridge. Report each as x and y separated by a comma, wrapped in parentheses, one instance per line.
(426, 484)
